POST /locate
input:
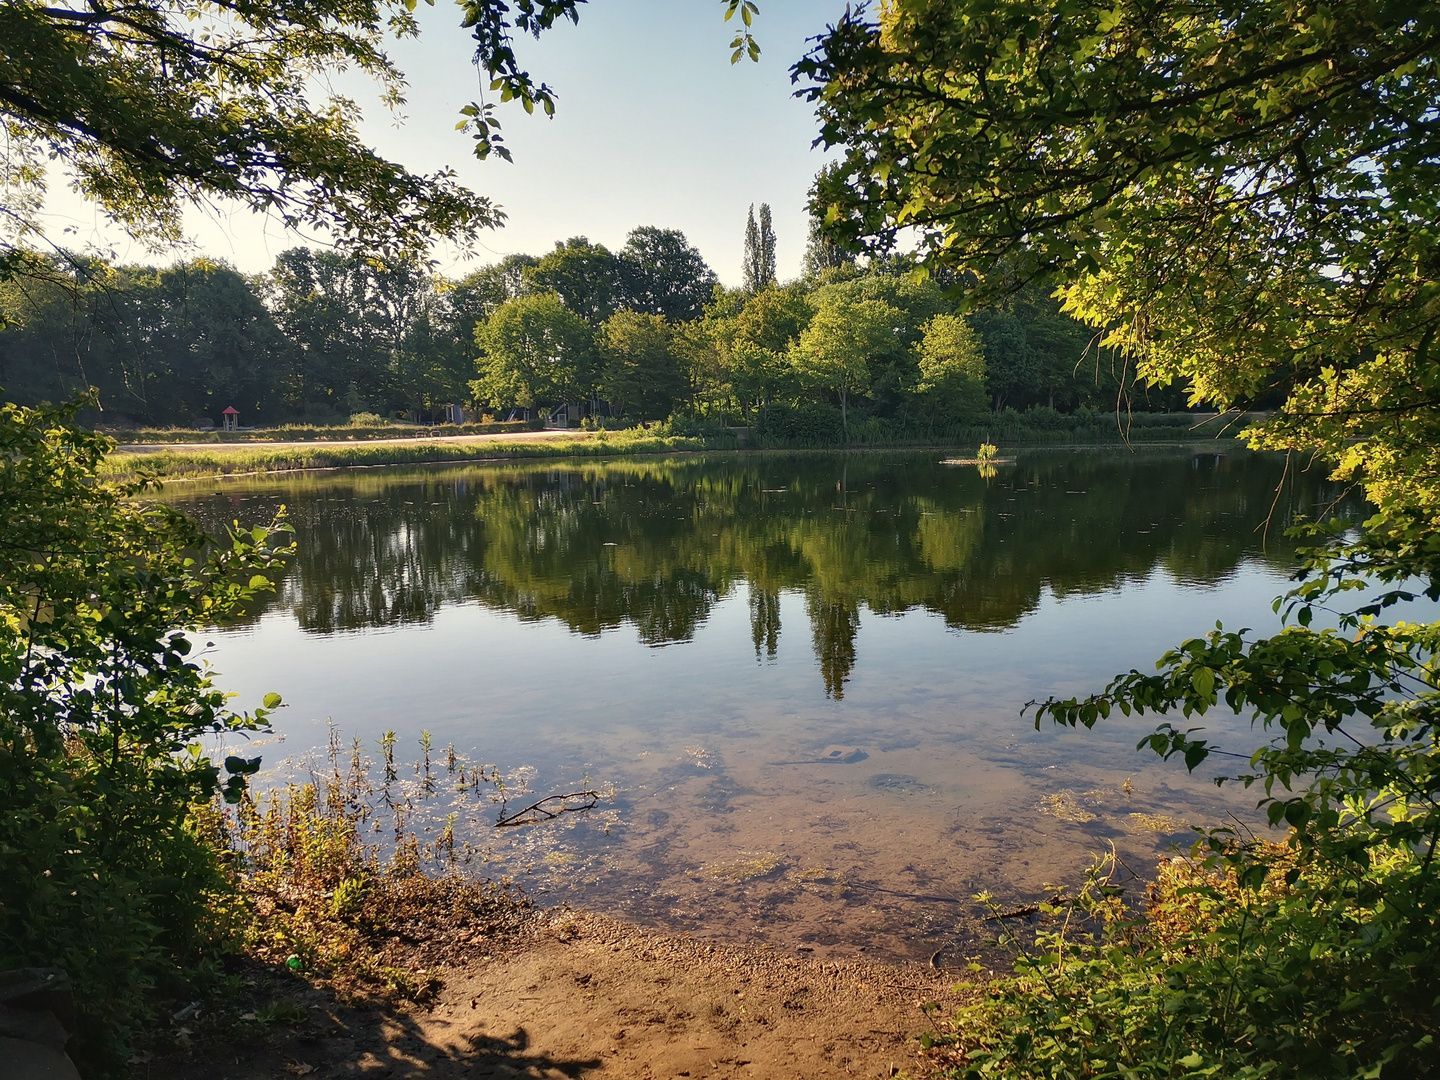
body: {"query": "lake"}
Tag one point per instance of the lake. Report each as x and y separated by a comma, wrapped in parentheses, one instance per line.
(798, 679)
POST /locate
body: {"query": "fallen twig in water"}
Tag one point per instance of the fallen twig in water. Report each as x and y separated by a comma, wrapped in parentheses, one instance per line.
(1026, 910)
(538, 811)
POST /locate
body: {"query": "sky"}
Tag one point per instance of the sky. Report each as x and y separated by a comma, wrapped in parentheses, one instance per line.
(654, 126)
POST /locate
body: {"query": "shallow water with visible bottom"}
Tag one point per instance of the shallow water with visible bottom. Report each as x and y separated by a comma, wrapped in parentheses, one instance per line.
(799, 679)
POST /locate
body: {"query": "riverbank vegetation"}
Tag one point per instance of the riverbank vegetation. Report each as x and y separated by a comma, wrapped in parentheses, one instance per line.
(362, 427)
(1241, 199)
(236, 460)
(134, 861)
(791, 431)
(848, 354)
(103, 704)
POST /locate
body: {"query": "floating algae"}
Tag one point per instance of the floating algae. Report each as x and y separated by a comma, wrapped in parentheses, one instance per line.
(1158, 823)
(700, 756)
(1067, 806)
(750, 866)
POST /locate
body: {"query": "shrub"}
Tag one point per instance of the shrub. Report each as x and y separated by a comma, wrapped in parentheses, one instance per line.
(806, 424)
(102, 710)
(1316, 958)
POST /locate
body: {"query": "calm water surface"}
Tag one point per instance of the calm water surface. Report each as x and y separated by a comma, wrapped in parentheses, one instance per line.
(696, 634)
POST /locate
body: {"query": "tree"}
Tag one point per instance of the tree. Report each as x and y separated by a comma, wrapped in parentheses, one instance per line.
(661, 274)
(754, 340)
(1012, 369)
(322, 300)
(1241, 194)
(833, 352)
(1261, 177)
(759, 264)
(822, 253)
(892, 365)
(152, 105)
(161, 346)
(585, 275)
(474, 298)
(533, 351)
(640, 374)
(458, 308)
(952, 369)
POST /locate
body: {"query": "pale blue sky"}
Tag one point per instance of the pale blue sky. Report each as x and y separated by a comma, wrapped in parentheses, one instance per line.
(654, 127)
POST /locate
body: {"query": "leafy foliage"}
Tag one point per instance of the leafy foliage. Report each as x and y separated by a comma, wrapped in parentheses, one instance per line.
(758, 266)
(836, 349)
(640, 375)
(533, 350)
(1295, 969)
(159, 346)
(1241, 195)
(663, 274)
(102, 709)
(154, 104)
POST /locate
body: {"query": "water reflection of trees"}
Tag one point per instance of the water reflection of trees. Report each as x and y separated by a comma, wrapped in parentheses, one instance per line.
(657, 543)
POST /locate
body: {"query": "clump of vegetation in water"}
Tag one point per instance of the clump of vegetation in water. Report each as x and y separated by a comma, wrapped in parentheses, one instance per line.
(346, 878)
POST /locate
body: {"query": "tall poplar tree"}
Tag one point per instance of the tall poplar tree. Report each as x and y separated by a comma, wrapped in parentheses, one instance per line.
(767, 247)
(759, 263)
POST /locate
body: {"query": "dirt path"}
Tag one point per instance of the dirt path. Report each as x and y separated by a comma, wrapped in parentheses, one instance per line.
(586, 996)
(330, 444)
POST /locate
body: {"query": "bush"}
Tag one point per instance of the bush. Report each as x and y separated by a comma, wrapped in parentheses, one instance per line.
(1256, 963)
(714, 432)
(1316, 958)
(101, 715)
(805, 424)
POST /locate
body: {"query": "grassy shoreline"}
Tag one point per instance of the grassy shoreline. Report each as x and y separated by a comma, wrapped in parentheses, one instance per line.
(250, 461)
(242, 460)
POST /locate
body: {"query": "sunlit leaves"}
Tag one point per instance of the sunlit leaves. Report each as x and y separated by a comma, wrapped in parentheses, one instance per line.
(744, 43)
(1241, 194)
(103, 707)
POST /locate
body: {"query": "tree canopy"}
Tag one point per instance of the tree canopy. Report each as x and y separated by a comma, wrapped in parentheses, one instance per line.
(156, 103)
(533, 351)
(835, 351)
(1242, 192)
(664, 274)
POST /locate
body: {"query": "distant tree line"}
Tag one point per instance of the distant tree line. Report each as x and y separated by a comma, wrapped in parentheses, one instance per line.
(642, 333)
